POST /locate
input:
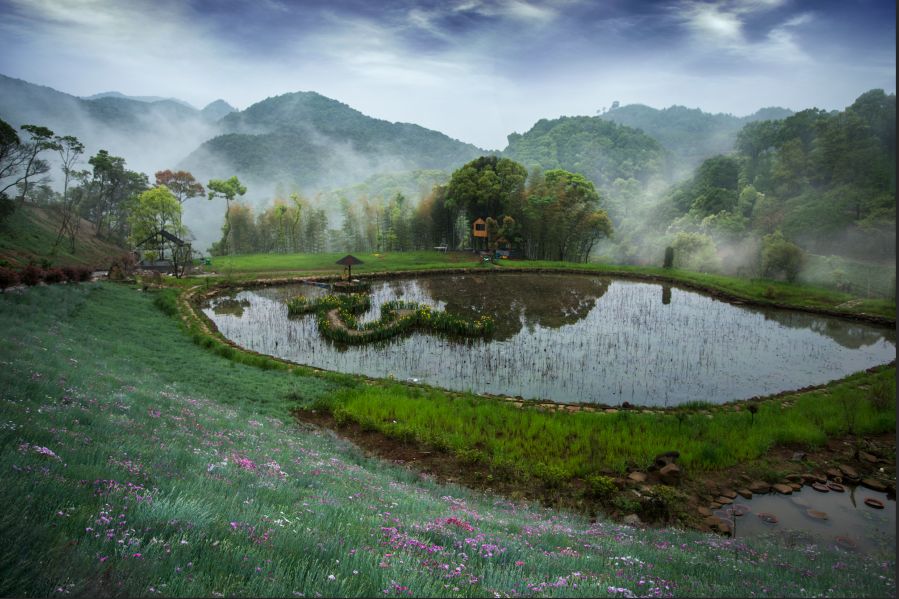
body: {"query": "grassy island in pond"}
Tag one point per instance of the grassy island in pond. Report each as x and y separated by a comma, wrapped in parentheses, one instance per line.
(336, 318)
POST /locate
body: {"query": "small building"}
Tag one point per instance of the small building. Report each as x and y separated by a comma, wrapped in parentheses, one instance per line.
(164, 252)
(479, 234)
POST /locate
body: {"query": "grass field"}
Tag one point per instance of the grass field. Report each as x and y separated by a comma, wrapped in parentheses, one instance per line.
(134, 462)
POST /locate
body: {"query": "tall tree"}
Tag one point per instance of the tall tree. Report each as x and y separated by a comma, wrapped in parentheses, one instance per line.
(181, 183)
(41, 140)
(227, 189)
(69, 149)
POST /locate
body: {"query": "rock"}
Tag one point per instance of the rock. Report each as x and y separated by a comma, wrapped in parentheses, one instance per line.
(637, 477)
(744, 493)
(663, 459)
(849, 472)
(867, 457)
(875, 485)
(711, 521)
(714, 505)
(704, 511)
(796, 486)
(724, 500)
(759, 486)
(816, 514)
(794, 478)
(670, 474)
(729, 493)
(833, 473)
(782, 488)
(632, 520)
(809, 478)
(798, 456)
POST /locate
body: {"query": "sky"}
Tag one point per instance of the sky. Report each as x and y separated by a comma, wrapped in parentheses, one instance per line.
(476, 70)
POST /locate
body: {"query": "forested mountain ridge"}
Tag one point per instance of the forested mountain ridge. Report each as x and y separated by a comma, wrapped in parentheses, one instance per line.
(824, 180)
(600, 150)
(306, 139)
(689, 134)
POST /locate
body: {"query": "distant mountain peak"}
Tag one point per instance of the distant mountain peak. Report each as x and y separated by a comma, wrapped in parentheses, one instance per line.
(148, 99)
(217, 109)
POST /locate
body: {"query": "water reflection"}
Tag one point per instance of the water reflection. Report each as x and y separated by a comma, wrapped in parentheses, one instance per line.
(574, 338)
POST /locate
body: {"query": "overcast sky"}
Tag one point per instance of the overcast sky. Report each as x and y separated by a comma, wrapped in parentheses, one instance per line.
(475, 69)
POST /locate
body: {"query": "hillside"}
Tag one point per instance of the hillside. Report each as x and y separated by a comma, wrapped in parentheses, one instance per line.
(600, 150)
(689, 134)
(315, 142)
(27, 235)
(150, 135)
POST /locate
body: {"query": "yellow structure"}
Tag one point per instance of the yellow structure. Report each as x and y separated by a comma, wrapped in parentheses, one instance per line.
(479, 228)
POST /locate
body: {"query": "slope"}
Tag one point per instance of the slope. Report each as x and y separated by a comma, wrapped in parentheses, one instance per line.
(28, 234)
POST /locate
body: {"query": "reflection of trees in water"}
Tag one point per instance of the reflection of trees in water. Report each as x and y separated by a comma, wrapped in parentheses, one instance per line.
(516, 300)
(846, 333)
(230, 306)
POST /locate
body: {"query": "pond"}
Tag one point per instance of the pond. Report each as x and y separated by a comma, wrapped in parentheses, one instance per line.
(573, 339)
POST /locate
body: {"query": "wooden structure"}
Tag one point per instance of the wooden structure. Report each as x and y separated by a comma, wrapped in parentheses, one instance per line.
(479, 234)
(349, 261)
(164, 252)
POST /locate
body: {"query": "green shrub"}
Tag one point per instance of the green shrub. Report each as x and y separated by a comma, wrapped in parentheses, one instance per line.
(780, 257)
(601, 487)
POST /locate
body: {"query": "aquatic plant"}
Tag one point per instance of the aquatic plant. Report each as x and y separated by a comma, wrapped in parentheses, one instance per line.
(336, 316)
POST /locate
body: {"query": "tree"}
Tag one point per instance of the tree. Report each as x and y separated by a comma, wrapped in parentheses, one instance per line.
(695, 251)
(781, 257)
(155, 210)
(227, 189)
(41, 141)
(181, 183)
(69, 149)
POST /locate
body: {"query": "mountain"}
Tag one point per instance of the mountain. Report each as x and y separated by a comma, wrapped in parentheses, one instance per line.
(314, 142)
(689, 134)
(600, 150)
(150, 135)
(214, 111)
(122, 96)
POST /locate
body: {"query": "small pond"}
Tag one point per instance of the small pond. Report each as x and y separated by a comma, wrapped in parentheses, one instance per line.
(840, 520)
(573, 339)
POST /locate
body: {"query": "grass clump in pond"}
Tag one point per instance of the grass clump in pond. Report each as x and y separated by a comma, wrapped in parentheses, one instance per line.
(336, 316)
(136, 463)
(549, 445)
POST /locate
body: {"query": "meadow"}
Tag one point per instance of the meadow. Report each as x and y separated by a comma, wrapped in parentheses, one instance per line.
(136, 463)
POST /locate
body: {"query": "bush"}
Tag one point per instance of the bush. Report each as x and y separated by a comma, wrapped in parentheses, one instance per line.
(663, 502)
(54, 275)
(780, 257)
(31, 275)
(695, 251)
(84, 273)
(8, 278)
(601, 487)
(669, 257)
(122, 267)
(72, 273)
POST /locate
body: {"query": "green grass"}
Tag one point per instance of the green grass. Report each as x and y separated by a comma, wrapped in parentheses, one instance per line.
(177, 472)
(532, 442)
(372, 262)
(30, 231)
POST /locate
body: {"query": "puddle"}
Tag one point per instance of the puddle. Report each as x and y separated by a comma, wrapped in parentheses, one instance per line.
(831, 519)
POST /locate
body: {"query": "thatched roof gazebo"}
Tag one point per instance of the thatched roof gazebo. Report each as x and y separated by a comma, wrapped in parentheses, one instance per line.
(349, 261)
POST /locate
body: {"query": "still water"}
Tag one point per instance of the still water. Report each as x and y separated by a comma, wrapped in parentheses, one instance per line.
(573, 338)
(840, 520)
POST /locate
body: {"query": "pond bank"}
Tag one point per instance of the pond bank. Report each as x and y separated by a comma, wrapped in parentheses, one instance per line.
(697, 495)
